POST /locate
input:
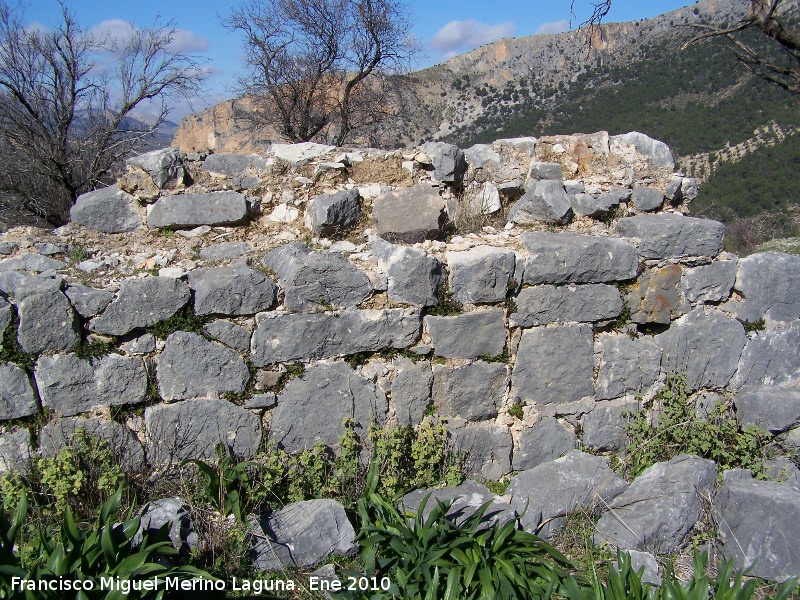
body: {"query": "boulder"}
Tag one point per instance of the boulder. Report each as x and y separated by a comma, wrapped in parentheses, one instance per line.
(109, 210)
(47, 322)
(142, 303)
(604, 426)
(776, 409)
(770, 358)
(759, 527)
(647, 198)
(480, 155)
(411, 390)
(329, 214)
(232, 290)
(413, 275)
(656, 154)
(302, 535)
(473, 391)
(485, 200)
(655, 297)
(127, 450)
(300, 154)
(712, 282)
(185, 211)
(35, 263)
(769, 283)
(586, 205)
(668, 235)
(17, 398)
(545, 304)
(448, 162)
(545, 202)
(660, 506)
(8, 247)
(705, 345)
(230, 334)
(625, 365)
(88, 302)
(164, 166)
(225, 250)
(410, 215)
(15, 450)
(482, 274)
(314, 407)
(169, 510)
(193, 429)
(190, 366)
(577, 258)
(288, 337)
(547, 493)
(227, 165)
(70, 385)
(464, 500)
(314, 280)
(470, 335)
(547, 440)
(554, 364)
(487, 446)
(544, 170)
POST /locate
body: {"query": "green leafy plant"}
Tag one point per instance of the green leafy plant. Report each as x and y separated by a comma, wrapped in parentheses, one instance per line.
(751, 326)
(226, 483)
(183, 320)
(445, 305)
(11, 351)
(10, 563)
(293, 371)
(678, 430)
(515, 410)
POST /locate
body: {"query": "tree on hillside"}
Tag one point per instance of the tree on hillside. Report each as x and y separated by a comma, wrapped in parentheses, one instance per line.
(321, 69)
(66, 97)
(781, 67)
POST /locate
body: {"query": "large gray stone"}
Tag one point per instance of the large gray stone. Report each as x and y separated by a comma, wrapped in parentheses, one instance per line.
(109, 210)
(448, 162)
(302, 535)
(288, 337)
(165, 166)
(47, 323)
(547, 440)
(544, 170)
(142, 303)
(88, 302)
(15, 450)
(232, 290)
(11, 280)
(472, 392)
(655, 297)
(604, 426)
(625, 365)
(33, 262)
(487, 446)
(545, 304)
(647, 198)
(552, 490)
(230, 334)
(8, 247)
(770, 285)
(770, 358)
(410, 215)
(329, 214)
(481, 155)
(413, 275)
(705, 345)
(185, 211)
(759, 527)
(193, 429)
(70, 385)
(16, 394)
(712, 282)
(589, 206)
(769, 407)
(481, 274)
(314, 407)
(226, 165)
(192, 367)
(464, 501)
(173, 512)
(225, 251)
(122, 442)
(37, 284)
(660, 506)
(317, 280)
(554, 365)
(411, 390)
(577, 258)
(545, 202)
(657, 154)
(470, 335)
(300, 154)
(668, 235)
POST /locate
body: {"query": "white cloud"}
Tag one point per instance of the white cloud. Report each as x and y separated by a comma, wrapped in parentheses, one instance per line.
(188, 41)
(121, 32)
(554, 27)
(463, 35)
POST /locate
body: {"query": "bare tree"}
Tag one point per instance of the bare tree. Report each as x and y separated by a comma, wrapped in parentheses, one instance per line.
(320, 69)
(66, 98)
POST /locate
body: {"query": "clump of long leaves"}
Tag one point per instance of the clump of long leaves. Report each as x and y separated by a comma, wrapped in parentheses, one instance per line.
(436, 557)
(105, 549)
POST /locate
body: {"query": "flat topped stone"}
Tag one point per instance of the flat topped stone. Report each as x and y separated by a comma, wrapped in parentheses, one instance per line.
(328, 214)
(413, 275)
(545, 202)
(540, 305)
(233, 290)
(122, 442)
(165, 166)
(224, 165)
(16, 394)
(410, 215)
(302, 153)
(464, 499)
(185, 211)
(109, 210)
(657, 154)
(31, 262)
(469, 335)
(47, 323)
(577, 258)
(668, 235)
(481, 274)
(225, 250)
(773, 408)
(770, 285)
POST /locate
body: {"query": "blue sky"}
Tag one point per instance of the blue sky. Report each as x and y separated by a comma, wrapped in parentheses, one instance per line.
(443, 27)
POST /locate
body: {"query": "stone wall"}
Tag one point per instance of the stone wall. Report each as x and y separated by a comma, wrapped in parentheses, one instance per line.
(576, 284)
